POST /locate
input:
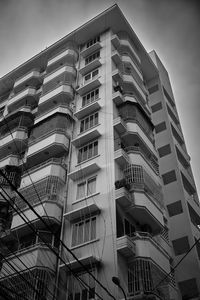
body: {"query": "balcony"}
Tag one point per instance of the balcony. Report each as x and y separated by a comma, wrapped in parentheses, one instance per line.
(136, 130)
(11, 160)
(117, 98)
(124, 43)
(117, 76)
(130, 83)
(48, 189)
(62, 109)
(14, 141)
(126, 246)
(148, 157)
(49, 210)
(121, 158)
(53, 144)
(86, 169)
(127, 60)
(123, 197)
(62, 70)
(36, 256)
(96, 63)
(54, 167)
(116, 57)
(61, 91)
(93, 48)
(33, 79)
(27, 96)
(87, 136)
(89, 85)
(148, 248)
(88, 109)
(119, 125)
(67, 56)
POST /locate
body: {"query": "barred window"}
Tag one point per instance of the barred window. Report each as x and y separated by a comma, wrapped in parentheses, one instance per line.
(88, 151)
(91, 75)
(77, 291)
(90, 97)
(89, 122)
(84, 231)
(86, 188)
(93, 41)
(92, 57)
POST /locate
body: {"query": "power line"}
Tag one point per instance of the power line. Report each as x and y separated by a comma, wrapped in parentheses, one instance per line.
(52, 249)
(173, 269)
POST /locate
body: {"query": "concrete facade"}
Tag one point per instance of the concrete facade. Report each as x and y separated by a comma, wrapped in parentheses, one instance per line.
(77, 124)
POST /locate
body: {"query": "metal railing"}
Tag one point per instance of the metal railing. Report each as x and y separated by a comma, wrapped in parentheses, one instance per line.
(138, 178)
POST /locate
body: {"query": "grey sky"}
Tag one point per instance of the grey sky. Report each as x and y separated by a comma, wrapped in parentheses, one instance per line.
(171, 27)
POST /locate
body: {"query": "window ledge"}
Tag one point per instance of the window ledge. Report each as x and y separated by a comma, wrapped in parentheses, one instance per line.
(85, 198)
(85, 244)
(84, 161)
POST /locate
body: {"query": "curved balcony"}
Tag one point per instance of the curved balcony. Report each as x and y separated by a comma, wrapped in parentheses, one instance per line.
(63, 70)
(37, 255)
(126, 246)
(124, 44)
(13, 142)
(32, 78)
(53, 144)
(10, 160)
(68, 56)
(121, 158)
(147, 247)
(28, 96)
(126, 59)
(62, 91)
(58, 108)
(119, 125)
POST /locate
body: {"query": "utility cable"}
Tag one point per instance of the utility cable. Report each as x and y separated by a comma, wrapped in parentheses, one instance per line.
(49, 228)
(173, 269)
(52, 249)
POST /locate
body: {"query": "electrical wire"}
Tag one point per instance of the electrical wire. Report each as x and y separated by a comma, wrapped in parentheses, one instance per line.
(173, 269)
(52, 249)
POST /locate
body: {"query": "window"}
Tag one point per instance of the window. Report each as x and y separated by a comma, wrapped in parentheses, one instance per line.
(88, 151)
(129, 228)
(175, 208)
(160, 127)
(156, 107)
(189, 289)
(169, 177)
(90, 97)
(84, 231)
(91, 75)
(92, 57)
(93, 41)
(165, 150)
(153, 89)
(77, 291)
(181, 245)
(89, 122)
(86, 188)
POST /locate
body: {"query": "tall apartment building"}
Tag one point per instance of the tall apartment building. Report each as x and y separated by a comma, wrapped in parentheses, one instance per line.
(77, 128)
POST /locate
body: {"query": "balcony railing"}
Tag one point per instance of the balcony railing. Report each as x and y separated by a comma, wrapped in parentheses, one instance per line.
(149, 158)
(49, 188)
(33, 140)
(138, 178)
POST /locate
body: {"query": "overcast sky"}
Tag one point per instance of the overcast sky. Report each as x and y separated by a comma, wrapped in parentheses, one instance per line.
(171, 27)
